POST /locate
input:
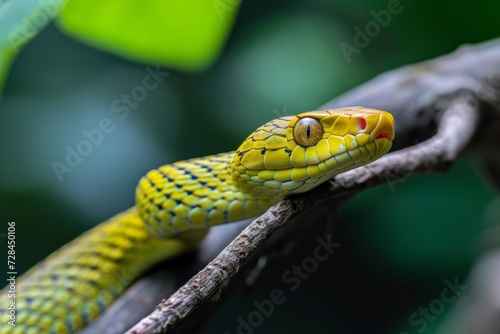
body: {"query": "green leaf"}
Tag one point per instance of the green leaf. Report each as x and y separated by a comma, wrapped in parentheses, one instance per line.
(20, 21)
(184, 34)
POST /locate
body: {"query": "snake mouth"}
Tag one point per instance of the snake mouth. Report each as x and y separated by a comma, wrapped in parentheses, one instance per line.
(384, 127)
(381, 135)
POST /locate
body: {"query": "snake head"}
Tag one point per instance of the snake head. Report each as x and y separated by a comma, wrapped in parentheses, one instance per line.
(294, 154)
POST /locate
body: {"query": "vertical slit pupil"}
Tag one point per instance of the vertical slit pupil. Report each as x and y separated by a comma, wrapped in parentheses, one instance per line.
(308, 130)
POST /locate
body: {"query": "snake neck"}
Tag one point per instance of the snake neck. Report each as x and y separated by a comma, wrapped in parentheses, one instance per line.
(195, 194)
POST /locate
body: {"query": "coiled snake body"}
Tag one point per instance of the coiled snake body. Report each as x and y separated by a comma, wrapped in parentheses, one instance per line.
(179, 202)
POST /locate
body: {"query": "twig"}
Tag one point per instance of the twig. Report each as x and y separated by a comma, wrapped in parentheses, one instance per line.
(456, 128)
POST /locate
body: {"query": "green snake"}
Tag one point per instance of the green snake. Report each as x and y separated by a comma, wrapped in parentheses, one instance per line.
(177, 203)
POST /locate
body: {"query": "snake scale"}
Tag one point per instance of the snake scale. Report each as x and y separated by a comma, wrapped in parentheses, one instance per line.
(177, 203)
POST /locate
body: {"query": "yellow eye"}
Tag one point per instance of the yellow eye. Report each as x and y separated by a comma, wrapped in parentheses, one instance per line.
(307, 131)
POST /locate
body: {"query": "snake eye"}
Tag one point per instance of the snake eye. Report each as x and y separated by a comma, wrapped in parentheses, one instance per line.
(307, 131)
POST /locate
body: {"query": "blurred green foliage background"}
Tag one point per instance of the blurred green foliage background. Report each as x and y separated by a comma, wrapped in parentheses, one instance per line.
(231, 67)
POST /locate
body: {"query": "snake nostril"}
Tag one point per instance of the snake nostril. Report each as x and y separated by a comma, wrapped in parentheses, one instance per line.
(382, 135)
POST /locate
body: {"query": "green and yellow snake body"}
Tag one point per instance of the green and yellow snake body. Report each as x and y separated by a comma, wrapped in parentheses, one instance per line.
(177, 203)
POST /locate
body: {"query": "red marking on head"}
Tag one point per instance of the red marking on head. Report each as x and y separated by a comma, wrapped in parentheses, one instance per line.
(382, 135)
(362, 123)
